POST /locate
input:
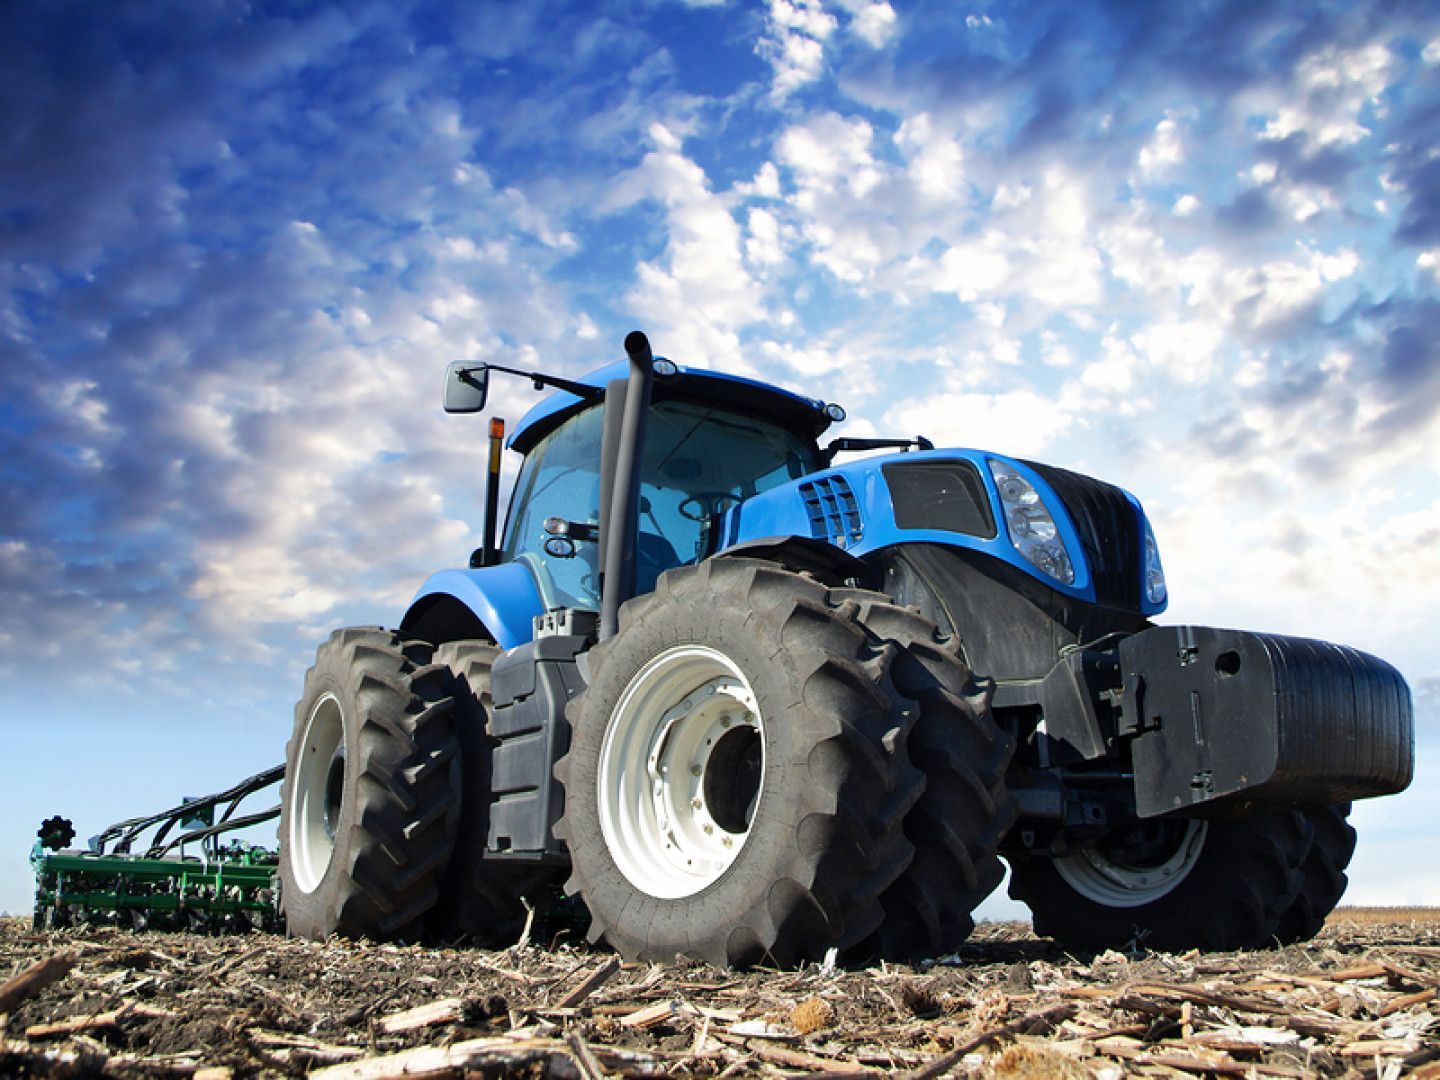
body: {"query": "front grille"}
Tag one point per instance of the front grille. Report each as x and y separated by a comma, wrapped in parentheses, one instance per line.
(834, 514)
(1109, 531)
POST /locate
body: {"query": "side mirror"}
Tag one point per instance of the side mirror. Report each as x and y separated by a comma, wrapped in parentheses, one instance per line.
(465, 386)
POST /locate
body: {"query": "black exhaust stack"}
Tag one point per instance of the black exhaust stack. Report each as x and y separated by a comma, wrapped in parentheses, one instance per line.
(624, 450)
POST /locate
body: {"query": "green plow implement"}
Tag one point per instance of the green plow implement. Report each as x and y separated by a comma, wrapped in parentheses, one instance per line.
(227, 886)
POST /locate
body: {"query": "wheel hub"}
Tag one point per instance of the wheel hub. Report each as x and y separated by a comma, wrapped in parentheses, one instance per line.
(1136, 869)
(334, 793)
(318, 793)
(681, 771)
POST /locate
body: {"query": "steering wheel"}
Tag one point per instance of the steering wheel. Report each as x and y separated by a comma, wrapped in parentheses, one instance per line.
(706, 505)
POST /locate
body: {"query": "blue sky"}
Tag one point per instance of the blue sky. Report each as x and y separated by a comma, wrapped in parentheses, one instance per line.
(1191, 249)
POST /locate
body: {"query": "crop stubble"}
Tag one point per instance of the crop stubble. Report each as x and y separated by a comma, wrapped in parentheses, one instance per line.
(1358, 1001)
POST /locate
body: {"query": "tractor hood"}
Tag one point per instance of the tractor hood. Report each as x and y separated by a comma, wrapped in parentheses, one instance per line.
(807, 417)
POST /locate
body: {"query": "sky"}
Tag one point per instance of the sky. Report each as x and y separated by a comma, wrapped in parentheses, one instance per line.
(1190, 249)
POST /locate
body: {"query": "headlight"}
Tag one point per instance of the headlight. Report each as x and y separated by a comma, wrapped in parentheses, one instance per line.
(1155, 591)
(1030, 524)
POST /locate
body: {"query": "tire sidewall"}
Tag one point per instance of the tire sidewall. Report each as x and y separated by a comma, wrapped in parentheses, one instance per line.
(313, 913)
(370, 694)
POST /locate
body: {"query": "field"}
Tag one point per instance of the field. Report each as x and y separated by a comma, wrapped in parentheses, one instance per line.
(1358, 1001)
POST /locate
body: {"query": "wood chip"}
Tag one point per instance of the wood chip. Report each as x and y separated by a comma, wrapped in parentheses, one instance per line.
(1218, 1063)
(1410, 975)
(592, 982)
(585, 1059)
(501, 1053)
(94, 1021)
(1405, 1001)
(1384, 1047)
(795, 1059)
(35, 978)
(1363, 971)
(445, 1011)
(651, 1015)
(315, 1051)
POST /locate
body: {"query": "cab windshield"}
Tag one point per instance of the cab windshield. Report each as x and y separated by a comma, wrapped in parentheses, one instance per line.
(699, 461)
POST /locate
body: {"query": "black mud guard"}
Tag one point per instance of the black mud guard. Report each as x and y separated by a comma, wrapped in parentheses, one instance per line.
(1232, 721)
(804, 554)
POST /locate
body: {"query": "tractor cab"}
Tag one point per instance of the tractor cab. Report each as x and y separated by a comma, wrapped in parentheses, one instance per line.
(711, 442)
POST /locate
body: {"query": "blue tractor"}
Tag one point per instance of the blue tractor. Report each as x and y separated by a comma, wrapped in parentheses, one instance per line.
(751, 701)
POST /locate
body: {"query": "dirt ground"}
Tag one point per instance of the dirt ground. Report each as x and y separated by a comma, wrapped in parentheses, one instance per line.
(1357, 1001)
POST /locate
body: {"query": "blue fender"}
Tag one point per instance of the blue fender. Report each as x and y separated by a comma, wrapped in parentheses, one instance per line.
(503, 598)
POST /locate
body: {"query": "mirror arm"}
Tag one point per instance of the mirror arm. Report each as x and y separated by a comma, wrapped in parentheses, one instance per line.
(540, 380)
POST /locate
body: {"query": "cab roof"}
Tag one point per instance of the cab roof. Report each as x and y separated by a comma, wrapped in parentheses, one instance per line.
(804, 416)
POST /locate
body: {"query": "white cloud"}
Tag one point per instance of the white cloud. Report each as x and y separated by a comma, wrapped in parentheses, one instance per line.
(79, 399)
(765, 185)
(838, 186)
(873, 21)
(1206, 285)
(1185, 205)
(1332, 88)
(1114, 375)
(1164, 150)
(810, 363)
(1064, 274)
(795, 43)
(1186, 351)
(1009, 196)
(1014, 422)
(700, 293)
(936, 161)
(974, 270)
(829, 152)
(1055, 351)
(762, 245)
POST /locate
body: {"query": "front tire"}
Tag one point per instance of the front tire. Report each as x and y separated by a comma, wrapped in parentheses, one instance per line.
(738, 774)
(1324, 873)
(371, 790)
(1170, 885)
(965, 812)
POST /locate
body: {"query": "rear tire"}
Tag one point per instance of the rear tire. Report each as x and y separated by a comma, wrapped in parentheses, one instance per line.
(1324, 873)
(371, 792)
(1212, 885)
(483, 899)
(738, 774)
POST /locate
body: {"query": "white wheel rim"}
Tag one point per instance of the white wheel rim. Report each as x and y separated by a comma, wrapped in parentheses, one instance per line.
(680, 772)
(1097, 877)
(320, 769)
